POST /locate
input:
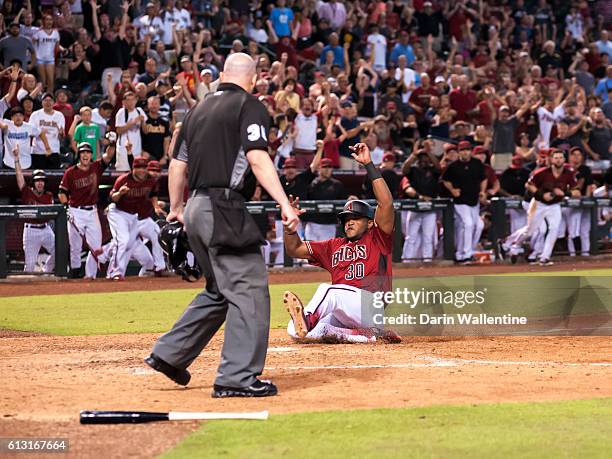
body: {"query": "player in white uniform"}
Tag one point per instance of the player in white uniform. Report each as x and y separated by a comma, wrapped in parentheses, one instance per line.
(36, 233)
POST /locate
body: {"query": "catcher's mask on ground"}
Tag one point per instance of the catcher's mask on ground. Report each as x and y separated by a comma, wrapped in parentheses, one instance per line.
(357, 217)
(174, 243)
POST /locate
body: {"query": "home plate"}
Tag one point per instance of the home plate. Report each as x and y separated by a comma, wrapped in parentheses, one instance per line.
(282, 349)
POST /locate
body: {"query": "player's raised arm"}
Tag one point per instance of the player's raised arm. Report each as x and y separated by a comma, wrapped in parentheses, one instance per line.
(385, 213)
(294, 246)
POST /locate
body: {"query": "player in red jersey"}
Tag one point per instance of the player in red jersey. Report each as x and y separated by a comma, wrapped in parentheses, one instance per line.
(359, 264)
(79, 189)
(128, 194)
(36, 232)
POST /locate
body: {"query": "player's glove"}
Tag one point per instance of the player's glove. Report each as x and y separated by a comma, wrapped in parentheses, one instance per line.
(111, 136)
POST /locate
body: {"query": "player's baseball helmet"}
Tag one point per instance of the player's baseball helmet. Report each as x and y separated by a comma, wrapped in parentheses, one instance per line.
(39, 174)
(356, 208)
(174, 243)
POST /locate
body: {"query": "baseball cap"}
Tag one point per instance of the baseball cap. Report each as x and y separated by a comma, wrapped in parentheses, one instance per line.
(380, 118)
(544, 152)
(290, 162)
(388, 157)
(139, 162)
(185, 59)
(150, 5)
(450, 146)
(84, 146)
(439, 79)
(464, 145)
(480, 150)
(154, 166)
(517, 161)
(504, 108)
(346, 104)
(206, 72)
(326, 162)
(45, 95)
(161, 83)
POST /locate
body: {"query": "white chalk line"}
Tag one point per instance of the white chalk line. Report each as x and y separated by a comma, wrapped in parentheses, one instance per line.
(432, 362)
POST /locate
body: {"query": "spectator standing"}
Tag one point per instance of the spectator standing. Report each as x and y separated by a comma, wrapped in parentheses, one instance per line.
(51, 122)
(377, 44)
(155, 134)
(334, 12)
(281, 18)
(84, 130)
(599, 143)
(503, 144)
(19, 133)
(46, 42)
(17, 48)
(305, 141)
(402, 48)
(128, 122)
(604, 85)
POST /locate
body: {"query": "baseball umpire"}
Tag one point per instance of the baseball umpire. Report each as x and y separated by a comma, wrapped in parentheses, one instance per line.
(221, 145)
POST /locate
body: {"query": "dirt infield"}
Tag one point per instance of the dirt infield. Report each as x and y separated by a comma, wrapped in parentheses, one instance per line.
(17, 285)
(52, 378)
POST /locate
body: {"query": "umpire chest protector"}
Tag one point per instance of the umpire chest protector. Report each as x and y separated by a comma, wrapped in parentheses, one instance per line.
(214, 140)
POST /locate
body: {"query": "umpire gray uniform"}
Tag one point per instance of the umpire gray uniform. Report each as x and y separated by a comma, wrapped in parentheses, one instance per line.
(213, 141)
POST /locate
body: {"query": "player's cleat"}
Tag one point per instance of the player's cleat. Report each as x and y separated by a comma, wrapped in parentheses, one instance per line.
(501, 252)
(546, 262)
(513, 258)
(177, 375)
(296, 311)
(259, 388)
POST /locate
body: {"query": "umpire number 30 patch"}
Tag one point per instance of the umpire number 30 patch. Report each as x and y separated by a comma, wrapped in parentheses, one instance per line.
(255, 132)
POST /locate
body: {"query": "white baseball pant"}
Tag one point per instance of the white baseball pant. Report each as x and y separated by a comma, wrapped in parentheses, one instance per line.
(88, 223)
(536, 215)
(579, 225)
(140, 253)
(124, 228)
(466, 229)
(337, 311)
(149, 230)
(34, 238)
(420, 230)
(518, 219)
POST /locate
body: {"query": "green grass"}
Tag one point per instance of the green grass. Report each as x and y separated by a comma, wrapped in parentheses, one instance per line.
(145, 311)
(527, 430)
(120, 312)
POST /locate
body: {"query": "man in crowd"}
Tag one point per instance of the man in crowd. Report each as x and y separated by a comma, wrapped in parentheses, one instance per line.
(50, 122)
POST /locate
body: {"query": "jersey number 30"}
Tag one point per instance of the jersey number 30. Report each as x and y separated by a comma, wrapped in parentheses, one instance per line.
(355, 271)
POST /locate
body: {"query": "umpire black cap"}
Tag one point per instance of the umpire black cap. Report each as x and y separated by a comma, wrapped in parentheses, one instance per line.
(356, 208)
(39, 174)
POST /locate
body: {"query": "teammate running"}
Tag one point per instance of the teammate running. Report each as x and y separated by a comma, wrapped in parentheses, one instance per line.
(359, 264)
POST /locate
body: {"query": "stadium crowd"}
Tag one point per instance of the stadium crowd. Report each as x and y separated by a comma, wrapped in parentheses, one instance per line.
(459, 99)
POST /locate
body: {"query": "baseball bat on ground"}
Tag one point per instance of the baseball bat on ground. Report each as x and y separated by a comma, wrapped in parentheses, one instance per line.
(139, 417)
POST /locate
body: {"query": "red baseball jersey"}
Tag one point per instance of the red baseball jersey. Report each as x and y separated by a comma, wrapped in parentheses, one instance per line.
(29, 198)
(134, 201)
(365, 264)
(146, 209)
(545, 181)
(81, 186)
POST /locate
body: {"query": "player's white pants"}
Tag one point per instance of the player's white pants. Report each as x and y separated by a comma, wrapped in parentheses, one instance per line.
(35, 238)
(420, 231)
(140, 253)
(89, 224)
(579, 225)
(319, 232)
(124, 228)
(537, 213)
(518, 219)
(149, 230)
(466, 226)
(338, 311)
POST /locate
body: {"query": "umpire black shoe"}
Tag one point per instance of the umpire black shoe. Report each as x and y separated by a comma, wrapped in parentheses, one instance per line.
(257, 389)
(177, 375)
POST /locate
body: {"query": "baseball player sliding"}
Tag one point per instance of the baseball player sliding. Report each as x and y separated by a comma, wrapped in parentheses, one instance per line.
(359, 264)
